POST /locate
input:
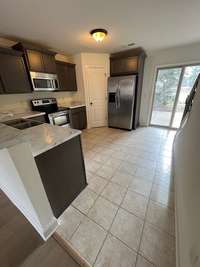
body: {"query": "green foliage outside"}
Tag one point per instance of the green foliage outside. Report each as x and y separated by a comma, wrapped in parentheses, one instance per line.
(167, 82)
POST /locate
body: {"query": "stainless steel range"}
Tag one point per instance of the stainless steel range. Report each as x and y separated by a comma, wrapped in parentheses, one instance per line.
(54, 114)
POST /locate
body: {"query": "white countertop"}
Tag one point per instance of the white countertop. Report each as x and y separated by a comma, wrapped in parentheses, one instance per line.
(25, 115)
(41, 138)
(77, 106)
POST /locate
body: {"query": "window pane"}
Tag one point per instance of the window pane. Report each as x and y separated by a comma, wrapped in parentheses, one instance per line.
(165, 93)
(189, 77)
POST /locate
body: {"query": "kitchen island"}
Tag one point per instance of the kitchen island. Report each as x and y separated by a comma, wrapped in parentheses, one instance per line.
(42, 170)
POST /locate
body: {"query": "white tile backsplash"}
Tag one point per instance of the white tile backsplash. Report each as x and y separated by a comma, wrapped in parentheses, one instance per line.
(18, 103)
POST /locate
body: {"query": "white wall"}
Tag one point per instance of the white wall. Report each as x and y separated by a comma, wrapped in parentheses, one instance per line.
(173, 56)
(186, 170)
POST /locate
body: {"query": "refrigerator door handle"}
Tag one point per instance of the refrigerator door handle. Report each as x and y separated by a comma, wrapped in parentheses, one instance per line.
(119, 97)
(116, 101)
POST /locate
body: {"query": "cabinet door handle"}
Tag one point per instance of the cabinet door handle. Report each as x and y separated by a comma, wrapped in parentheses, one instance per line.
(91, 103)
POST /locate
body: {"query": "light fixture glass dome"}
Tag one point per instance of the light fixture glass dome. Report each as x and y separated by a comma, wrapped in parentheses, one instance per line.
(98, 34)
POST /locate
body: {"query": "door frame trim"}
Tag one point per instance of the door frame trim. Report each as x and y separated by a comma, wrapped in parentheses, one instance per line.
(168, 66)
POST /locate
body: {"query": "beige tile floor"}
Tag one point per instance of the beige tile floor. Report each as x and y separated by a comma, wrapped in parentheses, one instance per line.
(125, 216)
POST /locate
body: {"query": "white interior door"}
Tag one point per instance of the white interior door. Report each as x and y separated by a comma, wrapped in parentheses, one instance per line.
(96, 96)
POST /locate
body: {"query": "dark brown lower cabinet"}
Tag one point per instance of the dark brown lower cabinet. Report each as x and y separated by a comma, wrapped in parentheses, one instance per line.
(78, 118)
(62, 171)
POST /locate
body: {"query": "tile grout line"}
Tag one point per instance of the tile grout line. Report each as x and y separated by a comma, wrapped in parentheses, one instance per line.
(145, 219)
(88, 210)
(108, 232)
(119, 206)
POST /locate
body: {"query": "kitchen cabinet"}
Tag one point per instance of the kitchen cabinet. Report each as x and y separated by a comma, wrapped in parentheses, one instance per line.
(127, 65)
(35, 62)
(126, 62)
(78, 118)
(1, 85)
(37, 59)
(62, 171)
(67, 76)
(13, 74)
(49, 63)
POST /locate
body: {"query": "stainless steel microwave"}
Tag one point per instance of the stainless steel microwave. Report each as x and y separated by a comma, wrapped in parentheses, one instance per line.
(44, 81)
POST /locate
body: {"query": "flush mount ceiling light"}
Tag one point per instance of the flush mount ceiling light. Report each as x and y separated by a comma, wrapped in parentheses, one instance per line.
(98, 34)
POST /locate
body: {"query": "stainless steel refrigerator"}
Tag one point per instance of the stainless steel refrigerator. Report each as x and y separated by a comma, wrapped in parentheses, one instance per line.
(121, 99)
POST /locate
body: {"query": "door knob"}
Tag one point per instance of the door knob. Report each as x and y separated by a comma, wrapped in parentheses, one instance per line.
(91, 103)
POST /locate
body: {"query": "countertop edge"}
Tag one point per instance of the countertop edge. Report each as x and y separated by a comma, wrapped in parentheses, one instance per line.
(57, 143)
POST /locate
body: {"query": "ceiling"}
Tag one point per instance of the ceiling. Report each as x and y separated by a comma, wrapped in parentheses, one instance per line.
(64, 25)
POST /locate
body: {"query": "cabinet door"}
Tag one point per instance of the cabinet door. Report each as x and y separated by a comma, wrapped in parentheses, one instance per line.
(83, 118)
(49, 63)
(72, 86)
(62, 76)
(1, 85)
(78, 118)
(14, 78)
(75, 120)
(62, 171)
(67, 76)
(116, 66)
(126, 65)
(131, 64)
(35, 61)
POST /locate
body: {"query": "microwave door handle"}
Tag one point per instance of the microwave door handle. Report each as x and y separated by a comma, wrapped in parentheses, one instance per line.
(53, 84)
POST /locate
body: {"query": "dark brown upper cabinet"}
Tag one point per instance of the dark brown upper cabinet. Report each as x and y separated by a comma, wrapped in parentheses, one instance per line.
(123, 65)
(126, 62)
(67, 76)
(13, 74)
(49, 63)
(37, 59)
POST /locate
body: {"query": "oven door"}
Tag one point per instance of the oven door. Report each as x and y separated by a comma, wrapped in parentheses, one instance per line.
(60, 119)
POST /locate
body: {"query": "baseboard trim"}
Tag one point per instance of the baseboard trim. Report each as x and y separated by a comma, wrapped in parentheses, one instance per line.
(69, 249)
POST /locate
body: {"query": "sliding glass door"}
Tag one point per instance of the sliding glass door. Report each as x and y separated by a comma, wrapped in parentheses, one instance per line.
(171, 90)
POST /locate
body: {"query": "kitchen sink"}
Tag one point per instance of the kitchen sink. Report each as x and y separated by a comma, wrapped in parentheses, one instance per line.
(22, 124)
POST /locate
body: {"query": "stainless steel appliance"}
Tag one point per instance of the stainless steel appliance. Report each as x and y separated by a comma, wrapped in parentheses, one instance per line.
(44, 81)
(121, 99)
(54, 114)
(60, 118)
